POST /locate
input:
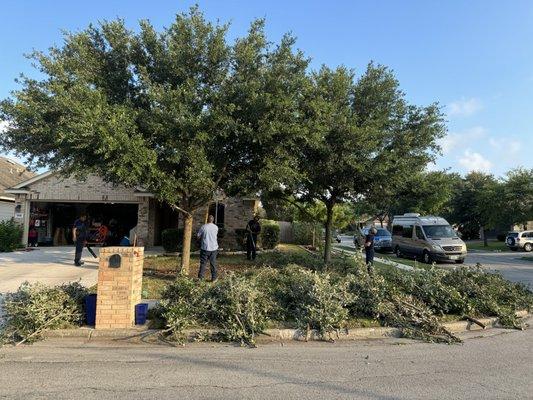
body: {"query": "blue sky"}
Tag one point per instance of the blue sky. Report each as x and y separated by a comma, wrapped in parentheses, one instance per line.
(473, 57)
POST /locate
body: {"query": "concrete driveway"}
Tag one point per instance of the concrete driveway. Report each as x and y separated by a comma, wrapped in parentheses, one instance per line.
(49, 265)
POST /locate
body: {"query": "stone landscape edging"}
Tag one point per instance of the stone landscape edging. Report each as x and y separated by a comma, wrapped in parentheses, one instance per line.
(280, 334)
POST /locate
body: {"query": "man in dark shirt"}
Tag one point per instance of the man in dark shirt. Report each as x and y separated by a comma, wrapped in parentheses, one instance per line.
(253, 229)
(369, 248)
(79, 235)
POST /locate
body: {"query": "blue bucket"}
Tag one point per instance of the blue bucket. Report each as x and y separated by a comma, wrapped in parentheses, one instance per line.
(90, 309)
(141, 311)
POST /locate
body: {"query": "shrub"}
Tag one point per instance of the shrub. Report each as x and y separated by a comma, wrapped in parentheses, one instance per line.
(270, 234)
(501, 237)
(303, 232)
(240, 238)
(279, 259)
(172, 240)
(10, 235)
(35, 308)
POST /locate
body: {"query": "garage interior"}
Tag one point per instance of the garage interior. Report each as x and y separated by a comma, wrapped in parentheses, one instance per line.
(53, 221)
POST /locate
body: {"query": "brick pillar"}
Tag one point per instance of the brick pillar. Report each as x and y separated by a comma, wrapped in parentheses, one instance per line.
(23, 218)
(119, 288)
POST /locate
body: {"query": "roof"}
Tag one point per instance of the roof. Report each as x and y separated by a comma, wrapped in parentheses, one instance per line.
(11, 174)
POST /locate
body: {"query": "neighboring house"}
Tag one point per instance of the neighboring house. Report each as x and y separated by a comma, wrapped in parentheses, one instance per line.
(11, 173)
(51, 203)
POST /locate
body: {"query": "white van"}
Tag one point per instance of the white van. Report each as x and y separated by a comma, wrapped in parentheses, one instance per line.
(429, 238)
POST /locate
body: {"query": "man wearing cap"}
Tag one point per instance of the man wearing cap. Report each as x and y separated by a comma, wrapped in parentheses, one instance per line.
(253, 228)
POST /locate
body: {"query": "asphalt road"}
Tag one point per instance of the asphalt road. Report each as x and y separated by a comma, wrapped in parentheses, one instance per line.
(497, 366)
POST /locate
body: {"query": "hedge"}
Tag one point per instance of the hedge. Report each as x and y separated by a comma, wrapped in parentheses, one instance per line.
(172, 240)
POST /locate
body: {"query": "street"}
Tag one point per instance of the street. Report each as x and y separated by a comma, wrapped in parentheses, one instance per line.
(497, 366)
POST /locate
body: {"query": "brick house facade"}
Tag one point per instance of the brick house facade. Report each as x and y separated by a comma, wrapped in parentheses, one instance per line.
(50, 202)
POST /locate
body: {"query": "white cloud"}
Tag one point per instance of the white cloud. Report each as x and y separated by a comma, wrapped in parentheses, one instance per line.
(510, 147)
(464, 107)
(472, 161)
(463, 138)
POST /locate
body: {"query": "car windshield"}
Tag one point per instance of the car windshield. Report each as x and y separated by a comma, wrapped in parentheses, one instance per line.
(383, 232)
(439, 231)
(513, 234)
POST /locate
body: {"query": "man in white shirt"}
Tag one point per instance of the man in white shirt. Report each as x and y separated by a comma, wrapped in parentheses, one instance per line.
(209, 247)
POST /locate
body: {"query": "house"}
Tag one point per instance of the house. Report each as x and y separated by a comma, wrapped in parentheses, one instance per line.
(11, 173)
(50, 203)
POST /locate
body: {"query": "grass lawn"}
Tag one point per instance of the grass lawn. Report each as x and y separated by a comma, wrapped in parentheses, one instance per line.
(160, 271)
(493, 245)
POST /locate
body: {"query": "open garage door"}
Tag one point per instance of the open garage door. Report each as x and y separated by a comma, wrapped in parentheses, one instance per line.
(108, 222)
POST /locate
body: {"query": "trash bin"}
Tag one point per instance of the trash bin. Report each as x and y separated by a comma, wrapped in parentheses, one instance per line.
(141, 310)
(90, 309)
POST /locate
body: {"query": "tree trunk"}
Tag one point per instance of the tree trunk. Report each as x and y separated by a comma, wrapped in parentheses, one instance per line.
(186, 251)
(329, 232)
(484, 233)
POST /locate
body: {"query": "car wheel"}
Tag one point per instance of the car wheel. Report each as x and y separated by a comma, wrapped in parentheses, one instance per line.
(528, 247)
(427, 257)
(459, 261)
(398, 252)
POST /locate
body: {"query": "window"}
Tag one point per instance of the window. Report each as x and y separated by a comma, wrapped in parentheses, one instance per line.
(383, 232)
(218, 211)
(397, 230)
(408, 231)
(439, 231)
(419, 233)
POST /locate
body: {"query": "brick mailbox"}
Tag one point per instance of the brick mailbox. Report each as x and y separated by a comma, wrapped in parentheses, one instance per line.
(119, 286)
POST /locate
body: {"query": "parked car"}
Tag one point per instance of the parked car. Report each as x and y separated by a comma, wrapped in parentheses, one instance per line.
(382, 239)
(427, 237)
(520, 240)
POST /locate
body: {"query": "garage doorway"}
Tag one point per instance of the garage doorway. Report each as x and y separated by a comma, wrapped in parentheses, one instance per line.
(108, 222)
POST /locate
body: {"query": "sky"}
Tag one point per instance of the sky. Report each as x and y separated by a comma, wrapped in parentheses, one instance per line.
(475, 58)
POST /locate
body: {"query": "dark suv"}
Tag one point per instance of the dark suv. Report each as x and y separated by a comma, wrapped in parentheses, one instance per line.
(520, 240)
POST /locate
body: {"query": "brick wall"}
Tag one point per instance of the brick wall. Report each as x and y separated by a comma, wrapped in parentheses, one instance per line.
(237, 213)
(93, 189)
(119, 289)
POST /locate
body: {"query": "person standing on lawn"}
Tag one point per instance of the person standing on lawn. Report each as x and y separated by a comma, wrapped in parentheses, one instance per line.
(208, 248)
(369, 248)
(79, 236)
(253, 228)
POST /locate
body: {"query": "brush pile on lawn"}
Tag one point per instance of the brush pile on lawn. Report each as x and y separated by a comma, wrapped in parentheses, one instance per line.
(293, 290)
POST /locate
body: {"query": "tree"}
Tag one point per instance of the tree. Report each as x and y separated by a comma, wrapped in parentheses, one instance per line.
(517, 197)
(361, 136)
(426, 192)
(180, 112)
(477, 203)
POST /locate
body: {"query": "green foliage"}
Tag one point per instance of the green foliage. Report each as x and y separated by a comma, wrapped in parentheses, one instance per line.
(303, 232)
(240, 238)
(35, 308)
(172, 240)
(183, 305)
(236, 305)
(270, 234)
(239, 307)
(10, 235)
(517, 197)
(309, 299)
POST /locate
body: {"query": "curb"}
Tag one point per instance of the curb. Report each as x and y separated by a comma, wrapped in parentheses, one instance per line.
(279, 334)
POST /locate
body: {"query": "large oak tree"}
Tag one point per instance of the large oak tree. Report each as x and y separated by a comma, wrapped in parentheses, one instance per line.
(180, 112)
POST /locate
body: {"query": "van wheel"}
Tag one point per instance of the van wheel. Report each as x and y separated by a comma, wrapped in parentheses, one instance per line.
(398, 252)
(459, 261)
(427, 257)
(528, 247)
